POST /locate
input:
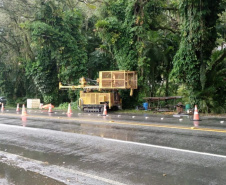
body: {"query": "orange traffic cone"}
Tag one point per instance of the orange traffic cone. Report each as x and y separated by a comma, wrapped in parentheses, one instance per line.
(196, 114)
(18, 108)
(24, 112)
(2, 108)
(50, 108)
(105, 110)
(69, 111)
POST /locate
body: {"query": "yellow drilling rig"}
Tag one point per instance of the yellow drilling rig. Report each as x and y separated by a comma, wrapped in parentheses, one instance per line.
(94, 97)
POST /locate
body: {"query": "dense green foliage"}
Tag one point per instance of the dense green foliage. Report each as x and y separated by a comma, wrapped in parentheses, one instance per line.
(170, 43)
(60, 46)
(192, 64)
(129, 30)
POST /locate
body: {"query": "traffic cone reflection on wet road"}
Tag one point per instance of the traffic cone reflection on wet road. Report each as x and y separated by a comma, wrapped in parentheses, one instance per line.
(24, 120)
(24, 112)
(196, 123)
(196, 114)
(69, 111)
(2, 108)
(105, 110)
(18, 108)
(50, 108)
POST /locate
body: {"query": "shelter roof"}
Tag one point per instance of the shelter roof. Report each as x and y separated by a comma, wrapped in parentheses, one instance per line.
(162, 98)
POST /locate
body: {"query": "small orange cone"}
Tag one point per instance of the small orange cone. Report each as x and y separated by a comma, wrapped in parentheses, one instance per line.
(2, 108)
(69, 111)
(196, 114)
(24, 112)
(50, 108)
(18, 108)
(105, 110)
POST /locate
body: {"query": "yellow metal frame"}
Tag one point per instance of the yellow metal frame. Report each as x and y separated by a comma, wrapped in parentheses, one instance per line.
(95, 98)
(109, 80)
(117, 80)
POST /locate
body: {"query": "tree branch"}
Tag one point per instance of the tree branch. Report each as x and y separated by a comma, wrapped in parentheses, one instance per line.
(90, 1)
(170, 8)
(219, 59)
(5, 41)
(164, 28)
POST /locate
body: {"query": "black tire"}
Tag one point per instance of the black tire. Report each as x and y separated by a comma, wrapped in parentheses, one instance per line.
(102, 109)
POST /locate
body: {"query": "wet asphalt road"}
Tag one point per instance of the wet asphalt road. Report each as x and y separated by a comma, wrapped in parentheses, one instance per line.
(88, 148)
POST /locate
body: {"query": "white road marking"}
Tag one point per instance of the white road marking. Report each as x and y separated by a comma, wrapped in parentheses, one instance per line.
(93, 176)
(44, 168)
(167, 148)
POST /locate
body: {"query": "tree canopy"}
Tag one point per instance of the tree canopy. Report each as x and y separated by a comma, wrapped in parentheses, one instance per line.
(172, 44)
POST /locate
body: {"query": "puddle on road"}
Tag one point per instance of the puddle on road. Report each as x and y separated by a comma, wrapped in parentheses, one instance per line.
(95, 129)
(15, 176)
(75, 162)
(50, 157)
